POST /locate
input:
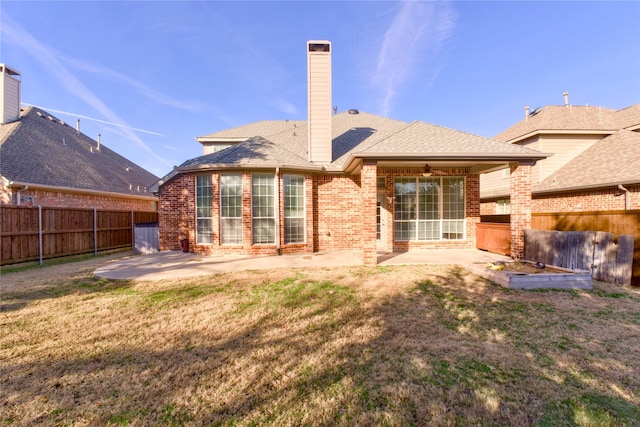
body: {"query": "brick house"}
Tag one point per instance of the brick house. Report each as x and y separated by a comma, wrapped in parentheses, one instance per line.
(46, 162)
(339, 181)
(594, 165)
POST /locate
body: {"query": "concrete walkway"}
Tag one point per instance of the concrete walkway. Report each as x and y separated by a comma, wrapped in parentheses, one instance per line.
(175, 264)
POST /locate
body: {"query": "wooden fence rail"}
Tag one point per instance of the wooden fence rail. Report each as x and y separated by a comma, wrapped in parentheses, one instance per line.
(615, 222)
(31, 233)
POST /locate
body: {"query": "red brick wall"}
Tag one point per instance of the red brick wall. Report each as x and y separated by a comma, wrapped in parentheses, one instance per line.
(607, 199)
(520, 190)
(177, 212)
(61, 199)
(335, 219)
(586, 201)
(337, 214)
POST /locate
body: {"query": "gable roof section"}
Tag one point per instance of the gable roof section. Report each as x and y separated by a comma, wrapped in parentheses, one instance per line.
(39, 149)
(559, 118)
(264, 128)
(611, 161)
(256, 152)
(357, 136)
(437, 141)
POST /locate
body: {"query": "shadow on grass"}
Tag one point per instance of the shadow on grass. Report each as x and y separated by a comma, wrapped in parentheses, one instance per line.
(445, 349)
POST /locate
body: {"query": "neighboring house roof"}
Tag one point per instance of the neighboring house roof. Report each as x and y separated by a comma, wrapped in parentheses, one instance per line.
(40, 149)
(611, 161)
(357, 136)
(557, 118)
(628, 118)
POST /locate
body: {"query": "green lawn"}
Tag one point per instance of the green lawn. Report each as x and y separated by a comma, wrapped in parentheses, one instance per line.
(406, 345)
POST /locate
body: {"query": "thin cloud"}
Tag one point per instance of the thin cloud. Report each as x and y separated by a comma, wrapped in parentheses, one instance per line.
(419, 29)
(140, 87)
(45, 55)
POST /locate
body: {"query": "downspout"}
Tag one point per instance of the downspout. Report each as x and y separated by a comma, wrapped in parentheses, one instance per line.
(24, 187)
(277, 213)
(627, 197)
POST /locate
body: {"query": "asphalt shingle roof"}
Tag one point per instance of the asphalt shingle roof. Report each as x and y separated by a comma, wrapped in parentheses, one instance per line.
(41, 149)
(420, 137)
(559, 117)
(264, 128)
(353, 135)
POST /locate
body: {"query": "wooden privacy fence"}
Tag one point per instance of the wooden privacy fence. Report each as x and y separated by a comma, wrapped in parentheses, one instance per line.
(615, 222)
(31, 233)
(594, 251)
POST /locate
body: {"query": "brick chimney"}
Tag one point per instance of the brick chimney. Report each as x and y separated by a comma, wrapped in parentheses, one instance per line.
(319, 100)
(9, 94)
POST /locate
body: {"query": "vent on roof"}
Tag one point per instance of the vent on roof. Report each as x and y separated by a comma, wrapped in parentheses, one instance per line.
(354, 111)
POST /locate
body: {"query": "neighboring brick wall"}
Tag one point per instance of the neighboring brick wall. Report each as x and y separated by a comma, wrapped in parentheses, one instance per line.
(177, 212)
(586, 201)
(59, 199)
(605, 199)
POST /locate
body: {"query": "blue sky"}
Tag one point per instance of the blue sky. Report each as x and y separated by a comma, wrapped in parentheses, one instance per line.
(150, 76)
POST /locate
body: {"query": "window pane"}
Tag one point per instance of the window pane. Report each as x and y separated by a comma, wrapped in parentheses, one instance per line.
(203, 209)
(263, 208)
(294, 216)
(203, 231)
(231, 231)
(429, 189)
(264, 230)
(405, 199)
(453, 230)
(453, 198)
(231, 209)
(429, 230)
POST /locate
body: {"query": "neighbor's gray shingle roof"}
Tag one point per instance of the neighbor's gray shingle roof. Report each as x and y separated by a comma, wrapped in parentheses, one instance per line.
(612, 160)
(557, 117)
(41, 149)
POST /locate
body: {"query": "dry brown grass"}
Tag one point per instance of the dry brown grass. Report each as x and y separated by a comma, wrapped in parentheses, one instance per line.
(407, 345)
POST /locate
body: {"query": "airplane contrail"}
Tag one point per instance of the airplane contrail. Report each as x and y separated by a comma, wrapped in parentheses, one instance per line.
(93, 119)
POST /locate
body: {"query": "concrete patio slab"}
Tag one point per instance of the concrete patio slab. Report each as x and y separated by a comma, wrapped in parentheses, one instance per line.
(175, 264)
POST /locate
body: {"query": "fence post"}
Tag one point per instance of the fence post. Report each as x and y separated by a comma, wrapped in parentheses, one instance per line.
(95, 232)
(39, 234)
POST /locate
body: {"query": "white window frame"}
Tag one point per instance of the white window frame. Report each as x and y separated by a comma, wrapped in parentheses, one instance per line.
(258, 215)
(299, 217)
(230, 223)
(204, 210)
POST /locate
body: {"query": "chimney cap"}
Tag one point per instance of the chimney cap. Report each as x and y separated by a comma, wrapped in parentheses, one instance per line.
(319, 46)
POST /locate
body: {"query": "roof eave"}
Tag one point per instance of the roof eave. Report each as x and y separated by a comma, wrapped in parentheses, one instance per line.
(585, 187)
(63, 189)
(236, 166)
(350, 163)
(559, 132)
(204, 139)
